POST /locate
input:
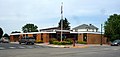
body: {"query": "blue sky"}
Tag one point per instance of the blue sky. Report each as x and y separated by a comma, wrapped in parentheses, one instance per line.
(46, 13)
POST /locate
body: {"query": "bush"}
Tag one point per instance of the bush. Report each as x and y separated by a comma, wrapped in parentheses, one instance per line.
(82, 42)
(39, 41)
(69, 43)
(69, 40)
(52, 40)
(56, 42)
(62, 43)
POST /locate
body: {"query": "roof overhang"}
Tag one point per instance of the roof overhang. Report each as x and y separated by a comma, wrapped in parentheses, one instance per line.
(31, 33)
(88, 32)
(62, 30)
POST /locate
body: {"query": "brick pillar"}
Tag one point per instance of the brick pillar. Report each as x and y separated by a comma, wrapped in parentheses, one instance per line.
(38, 37)
(11, 38)
(47, 40)
(80, 37)
(45, 37)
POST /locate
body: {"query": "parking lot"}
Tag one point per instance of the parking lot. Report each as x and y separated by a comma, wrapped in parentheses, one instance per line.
(17, 50)
(4, 46)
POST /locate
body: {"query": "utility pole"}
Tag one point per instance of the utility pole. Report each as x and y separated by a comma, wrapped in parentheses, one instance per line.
(101, 35)
(61, 20)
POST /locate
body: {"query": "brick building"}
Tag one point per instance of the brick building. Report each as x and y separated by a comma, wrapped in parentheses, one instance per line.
(87, 33)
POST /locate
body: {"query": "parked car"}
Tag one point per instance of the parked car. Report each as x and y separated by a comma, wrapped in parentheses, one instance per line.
(115, 43)
(0, 40)
(4, 40)
(27, 40)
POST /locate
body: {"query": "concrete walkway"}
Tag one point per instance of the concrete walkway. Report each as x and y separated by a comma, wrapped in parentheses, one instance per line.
(68, 46)
(71, 46)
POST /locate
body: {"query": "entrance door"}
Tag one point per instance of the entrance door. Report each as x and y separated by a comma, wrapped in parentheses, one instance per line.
(85, 37)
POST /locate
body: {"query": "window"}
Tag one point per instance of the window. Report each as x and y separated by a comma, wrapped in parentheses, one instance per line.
(34, 35)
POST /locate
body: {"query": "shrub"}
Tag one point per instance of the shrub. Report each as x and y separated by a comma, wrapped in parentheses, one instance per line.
(69, 40)
(56, 42)
(69, 43)
(62, 43)
(82, 42)
(39, 41)
(52, 40)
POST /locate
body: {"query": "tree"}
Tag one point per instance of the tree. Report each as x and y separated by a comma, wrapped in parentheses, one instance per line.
(1, 32)
(29, 28)
(6, 35)
(65, 24)
(112, 27)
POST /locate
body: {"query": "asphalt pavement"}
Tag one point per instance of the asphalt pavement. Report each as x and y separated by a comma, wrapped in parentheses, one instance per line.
(94, 51)
(5, 46)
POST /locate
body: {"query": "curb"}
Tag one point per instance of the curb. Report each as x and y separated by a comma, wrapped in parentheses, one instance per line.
(62, 46)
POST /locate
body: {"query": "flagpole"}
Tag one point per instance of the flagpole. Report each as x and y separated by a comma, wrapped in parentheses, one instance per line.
(61, 20)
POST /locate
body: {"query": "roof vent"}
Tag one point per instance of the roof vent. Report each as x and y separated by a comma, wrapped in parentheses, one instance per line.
(90, 24)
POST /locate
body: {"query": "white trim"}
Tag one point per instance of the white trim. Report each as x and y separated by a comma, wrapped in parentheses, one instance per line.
(31, 33)
(63, 30)
(88, 32)
(55, 32)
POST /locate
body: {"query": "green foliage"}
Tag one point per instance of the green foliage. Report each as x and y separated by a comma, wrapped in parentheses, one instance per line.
(112, 27)
(69, 40)
(1, 32)
(51, 40)
(65, 24)
(62, 43)
(82, 42)
(56, 42)
(6, 35)
(29, 28)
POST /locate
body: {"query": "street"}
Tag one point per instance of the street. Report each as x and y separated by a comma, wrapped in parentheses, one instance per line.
(5, 46)
(44, 51)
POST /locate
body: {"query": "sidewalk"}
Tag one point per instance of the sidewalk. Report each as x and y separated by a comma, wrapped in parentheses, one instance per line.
(15, 42)
(65, 46)
(71, 46)
(98, 45)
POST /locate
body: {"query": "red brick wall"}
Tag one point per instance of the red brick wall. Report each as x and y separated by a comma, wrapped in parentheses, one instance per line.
(45, 37)
(11, 38)
(80, 37)
(14, 38)
(38, 37)
(93, 38)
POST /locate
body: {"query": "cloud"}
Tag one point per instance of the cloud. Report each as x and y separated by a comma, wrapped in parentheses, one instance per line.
(46, 13)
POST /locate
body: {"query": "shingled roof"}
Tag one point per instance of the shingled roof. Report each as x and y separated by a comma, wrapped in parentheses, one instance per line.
(53, 28)
(85, 26)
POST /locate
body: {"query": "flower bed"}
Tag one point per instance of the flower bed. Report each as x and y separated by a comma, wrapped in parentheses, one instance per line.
(62, 43)
(38, 41)
(82, 42)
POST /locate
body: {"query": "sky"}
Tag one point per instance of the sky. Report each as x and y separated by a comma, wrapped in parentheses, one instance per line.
(14, 14)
